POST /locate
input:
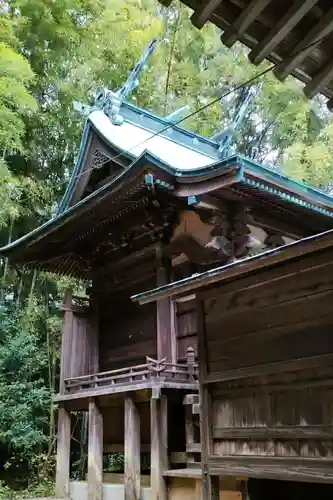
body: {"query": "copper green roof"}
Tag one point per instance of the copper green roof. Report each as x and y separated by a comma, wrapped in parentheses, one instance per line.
(184, 153)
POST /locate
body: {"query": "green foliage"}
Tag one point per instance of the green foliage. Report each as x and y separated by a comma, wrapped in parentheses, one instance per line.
(22, 389)
(15, 99)
(312, 162)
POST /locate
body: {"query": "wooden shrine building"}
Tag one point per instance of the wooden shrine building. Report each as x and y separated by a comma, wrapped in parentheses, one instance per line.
(148, 204)
(265, 350)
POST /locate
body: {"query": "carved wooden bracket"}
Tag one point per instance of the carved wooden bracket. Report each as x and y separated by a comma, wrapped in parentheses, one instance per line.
(205, 243)
(155, 365)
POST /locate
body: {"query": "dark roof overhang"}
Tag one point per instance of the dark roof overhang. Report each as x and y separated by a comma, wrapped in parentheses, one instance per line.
(296, 251)
(60, 244)
(297, 36)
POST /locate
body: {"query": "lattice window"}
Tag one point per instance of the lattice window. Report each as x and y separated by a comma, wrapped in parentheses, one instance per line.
(99, 158)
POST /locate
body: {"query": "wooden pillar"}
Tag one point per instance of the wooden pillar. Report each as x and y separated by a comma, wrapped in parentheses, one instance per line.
(66, 341)
(165, 330)
(63, 454)
(132, 451)
(159, 446)
(95, 453)
(210, 489)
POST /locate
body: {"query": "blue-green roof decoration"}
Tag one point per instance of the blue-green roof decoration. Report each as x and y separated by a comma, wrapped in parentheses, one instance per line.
(110, 102)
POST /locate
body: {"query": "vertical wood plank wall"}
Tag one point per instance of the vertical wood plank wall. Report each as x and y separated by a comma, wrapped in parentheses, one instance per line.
(186, 327)
(79, 348)
(266, 361)
(127, 333)
(164, 326)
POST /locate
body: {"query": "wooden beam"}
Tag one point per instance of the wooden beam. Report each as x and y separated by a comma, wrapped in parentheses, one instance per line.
(203, 13)
(279, 367)
(311, 432)
(307, 45)
(329, 104)
(243, 21)
(132, 451)
(286, 23)
(159, 447)
(249, 390)
(163, 314)
(294, 231)
(95, 452)
(288, 468)
(118, 389)
(63, 453)
(321, 79)
(207, 186)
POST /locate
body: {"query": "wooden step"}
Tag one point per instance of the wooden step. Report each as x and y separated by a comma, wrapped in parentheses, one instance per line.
(196, 409)
(191, 399)
(193, 448)
(192, 473)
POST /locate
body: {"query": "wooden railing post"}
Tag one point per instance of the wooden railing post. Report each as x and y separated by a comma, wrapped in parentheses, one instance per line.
(190, 361)
(63, 454)
(95, 453)
(132, 451)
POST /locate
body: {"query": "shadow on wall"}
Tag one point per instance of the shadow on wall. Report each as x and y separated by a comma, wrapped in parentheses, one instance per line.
(269, 489)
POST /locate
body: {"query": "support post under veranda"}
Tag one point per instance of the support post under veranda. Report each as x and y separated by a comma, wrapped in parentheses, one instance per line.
(95, 452)
(63, 454)
(132, 450)
(159, 445)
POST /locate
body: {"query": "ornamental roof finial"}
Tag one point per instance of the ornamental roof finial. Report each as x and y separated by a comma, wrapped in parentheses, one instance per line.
(109, 101)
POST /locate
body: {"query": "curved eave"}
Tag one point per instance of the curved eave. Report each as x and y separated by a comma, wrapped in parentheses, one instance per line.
(128, 176)
(163, 174)
(235, 170)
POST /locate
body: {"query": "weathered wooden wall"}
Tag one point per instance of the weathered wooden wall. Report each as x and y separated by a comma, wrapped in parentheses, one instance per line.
(127, 332)
(261, 324)
(186, 327)
(266, 355)
(269, 417)
(79, 348)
